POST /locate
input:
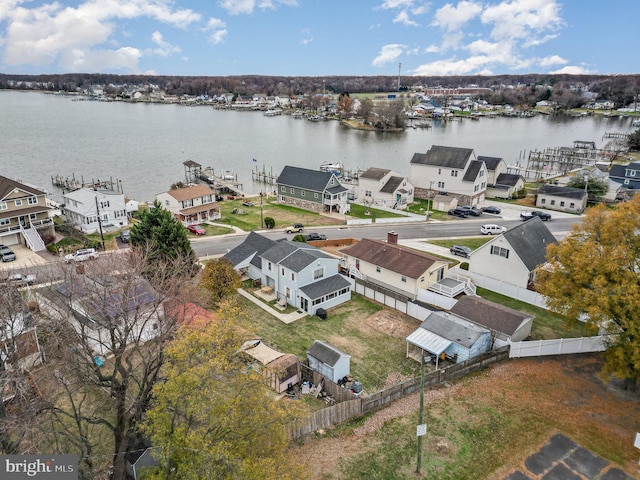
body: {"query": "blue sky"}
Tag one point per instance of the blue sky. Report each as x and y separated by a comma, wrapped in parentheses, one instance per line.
(319, 37)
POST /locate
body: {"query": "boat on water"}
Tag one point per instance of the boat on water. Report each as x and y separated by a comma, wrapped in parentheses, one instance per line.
(273, 112)
(335, 168)
(313, 118)
(228, 175)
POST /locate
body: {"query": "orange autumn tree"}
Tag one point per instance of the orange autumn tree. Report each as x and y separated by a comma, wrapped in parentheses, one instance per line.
(594, 275)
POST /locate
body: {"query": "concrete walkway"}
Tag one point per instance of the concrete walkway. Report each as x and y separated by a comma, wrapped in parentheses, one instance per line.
(283, 317)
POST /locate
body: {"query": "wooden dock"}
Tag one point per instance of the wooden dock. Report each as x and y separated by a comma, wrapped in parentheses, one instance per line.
(71, 184)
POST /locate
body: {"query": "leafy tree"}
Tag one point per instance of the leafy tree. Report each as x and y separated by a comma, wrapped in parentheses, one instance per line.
(633, 141)
(366, 110)
(299, 238)
(595, 187)
(214, 417)
(220, 279)
(269, 222)
(594, 275)
(345, 105)
(162, 236)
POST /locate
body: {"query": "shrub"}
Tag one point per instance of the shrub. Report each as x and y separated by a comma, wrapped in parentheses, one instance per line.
(269, 222)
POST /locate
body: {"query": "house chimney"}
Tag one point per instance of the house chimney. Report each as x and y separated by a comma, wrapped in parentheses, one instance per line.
(392, 237)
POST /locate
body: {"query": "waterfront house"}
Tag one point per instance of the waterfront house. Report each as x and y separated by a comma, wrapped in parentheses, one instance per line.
(328, 361)
(513, 257)
(506, 324)
(383, 187)
(91, 210)
(448, 336)
(495, 166)
(193, 204)
(626, 175)
(312, 190)
(452, 170)
(394, 267)
(24, 214)
(506, 186)
(561, 198)
(298, 274)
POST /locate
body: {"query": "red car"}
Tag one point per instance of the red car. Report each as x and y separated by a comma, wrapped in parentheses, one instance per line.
(197, 229)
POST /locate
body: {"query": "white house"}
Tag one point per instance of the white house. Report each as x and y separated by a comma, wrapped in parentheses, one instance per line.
(380, 186)
(451, 170)
(514, 256)
(562, 199)
(90, 209)
(191, 204)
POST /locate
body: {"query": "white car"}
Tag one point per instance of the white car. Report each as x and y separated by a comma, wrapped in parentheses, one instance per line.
(492, 229)
(20, 280)
(82, 255)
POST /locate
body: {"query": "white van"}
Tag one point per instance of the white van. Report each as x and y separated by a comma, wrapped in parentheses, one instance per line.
(492, 229)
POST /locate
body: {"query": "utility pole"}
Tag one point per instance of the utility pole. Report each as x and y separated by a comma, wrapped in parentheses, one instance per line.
(99, 222)
(261, 220)
(421, 430)
(399, 67)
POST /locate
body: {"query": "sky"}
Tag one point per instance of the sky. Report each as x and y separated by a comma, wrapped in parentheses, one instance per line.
(319, 37)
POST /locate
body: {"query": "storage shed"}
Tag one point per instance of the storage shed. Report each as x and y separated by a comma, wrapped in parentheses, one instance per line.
(329, 361)
(282, 369)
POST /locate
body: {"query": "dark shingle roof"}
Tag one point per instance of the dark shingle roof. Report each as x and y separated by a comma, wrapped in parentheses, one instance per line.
(375, 173)
(439, 156)
(391, 256)
(293, 255)
(491, 162)
(508, 179)
(305, 178)
(7, 186)
(325, 286)
(255, 244)
(492, 315)
(529, 240)
(392, 184)
(559, 191)
(327, 354)
(472, 172)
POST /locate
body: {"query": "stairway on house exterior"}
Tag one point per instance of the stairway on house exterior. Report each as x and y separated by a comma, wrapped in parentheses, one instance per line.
(33, 238)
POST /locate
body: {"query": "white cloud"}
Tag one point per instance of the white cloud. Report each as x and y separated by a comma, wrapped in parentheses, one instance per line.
(403, 18)
(246, 7)
(164, 48)
(125, 59)
(388, 53)
(218, 30)
(453, 67)
(552, 60)
(392, 4)
(519, 18)
(452, 18)
(572, 70)
(307, 37)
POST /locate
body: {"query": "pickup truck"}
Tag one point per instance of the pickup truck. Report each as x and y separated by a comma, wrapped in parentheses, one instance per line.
(315, 236)
(544, 216)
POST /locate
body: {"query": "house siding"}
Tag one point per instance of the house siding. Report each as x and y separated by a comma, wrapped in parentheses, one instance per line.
(510, 270)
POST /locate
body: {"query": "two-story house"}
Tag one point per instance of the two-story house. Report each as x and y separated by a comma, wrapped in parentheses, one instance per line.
(452, 170)
(380, 186)
(500, 183)
(24, 214)
(513, 257)
(311, 190)
(89, 210)
(626, 175)
(191, 204)
(299, 274)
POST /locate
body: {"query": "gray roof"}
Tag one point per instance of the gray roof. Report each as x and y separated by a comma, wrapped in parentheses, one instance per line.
(326, 353)
(491, 162)
(337, 189)
(492, 315)
(254, 245)
(439, 156)
(460, 332)
(293, 255)
(508, 179)
(306, 179)
(392, 184)
(375, 173)
(326, 285)
(529, 240)
(560, 191)
(7, 186)
(472, 172)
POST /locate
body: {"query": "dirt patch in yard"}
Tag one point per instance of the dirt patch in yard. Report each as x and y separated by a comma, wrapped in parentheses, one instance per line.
(393, 323)
(540, 396)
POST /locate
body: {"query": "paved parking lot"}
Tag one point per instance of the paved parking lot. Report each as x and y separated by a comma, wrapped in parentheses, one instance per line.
(563, 459)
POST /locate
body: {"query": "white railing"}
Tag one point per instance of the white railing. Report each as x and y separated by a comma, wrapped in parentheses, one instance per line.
(33, 238)
(357, 273)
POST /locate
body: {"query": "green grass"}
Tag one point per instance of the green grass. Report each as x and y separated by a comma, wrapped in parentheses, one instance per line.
(471, 242)
(358, 211)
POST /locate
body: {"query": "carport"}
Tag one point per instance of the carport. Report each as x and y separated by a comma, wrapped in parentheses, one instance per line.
(429, 342)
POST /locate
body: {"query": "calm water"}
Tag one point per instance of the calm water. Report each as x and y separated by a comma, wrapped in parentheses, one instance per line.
(144, 146)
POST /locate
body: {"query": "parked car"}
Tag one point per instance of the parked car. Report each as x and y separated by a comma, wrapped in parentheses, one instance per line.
(81, 255)
(492, 229)
(491, 209)
(196, 229)
(7, 254)
(295, 228)
(125, 236)
(544, 216)
(476, 212)
(315, 236)
(458, 212)
(19, 280)
(460, 250)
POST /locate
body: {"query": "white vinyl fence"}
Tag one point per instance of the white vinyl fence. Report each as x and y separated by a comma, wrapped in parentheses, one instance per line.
(561, 346)
(504, 288)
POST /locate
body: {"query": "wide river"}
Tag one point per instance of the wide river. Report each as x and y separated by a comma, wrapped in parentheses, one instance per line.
(144, 145)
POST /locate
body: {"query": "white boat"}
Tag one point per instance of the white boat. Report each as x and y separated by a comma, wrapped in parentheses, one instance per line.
(228, 175)
(331, 167)
(273, 112)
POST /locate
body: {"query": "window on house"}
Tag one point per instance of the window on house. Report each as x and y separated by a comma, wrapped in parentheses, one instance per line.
(293, 277)
(166, 203)
(553, 202)
(481, 173)
(269, 266)
(303, 193)
(319, 273)
(543, 201)
(282, 271)
(283, 189)
(32, 200)
(291, 190)
(18, 202)
(439, 171)
(440, 184)
(3, 205)
(500, 251)
(106, 204)
(32, 216)
(315, 195)
(5, 221)
(422, 279)
(562, 204)
(378, 269)
(572, 205)
(187, 203)
(626, 181)
(367, 193)
(454, 173)
(288, 292)
(403, 279)
(476, 188)
(206, 199)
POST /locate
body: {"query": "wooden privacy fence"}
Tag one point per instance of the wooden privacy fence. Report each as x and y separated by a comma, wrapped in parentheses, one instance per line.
(354, 408)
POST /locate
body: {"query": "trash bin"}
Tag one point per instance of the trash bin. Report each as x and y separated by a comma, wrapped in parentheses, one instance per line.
(321, 314)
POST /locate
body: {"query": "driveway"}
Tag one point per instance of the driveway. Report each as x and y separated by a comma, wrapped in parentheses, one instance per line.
(26, 258)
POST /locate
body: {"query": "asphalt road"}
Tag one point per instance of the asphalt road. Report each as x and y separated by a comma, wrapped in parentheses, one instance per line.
(469, 227)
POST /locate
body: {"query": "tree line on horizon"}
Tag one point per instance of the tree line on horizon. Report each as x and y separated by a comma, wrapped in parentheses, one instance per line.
(523, 89)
